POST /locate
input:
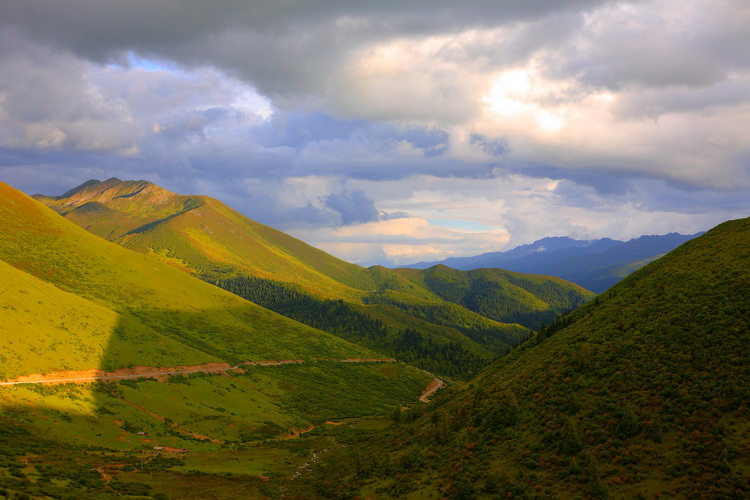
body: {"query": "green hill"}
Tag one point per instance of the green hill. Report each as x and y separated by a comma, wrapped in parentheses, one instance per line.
(642, 393)
(158, 296)
(73, 306)
(207, 239)
(74, 302)
(205, 236)
(505, 296)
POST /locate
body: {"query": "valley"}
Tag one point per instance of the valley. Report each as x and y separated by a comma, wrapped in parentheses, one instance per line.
(175, 369)
(639, 394)
(168, 361)
(448, 322)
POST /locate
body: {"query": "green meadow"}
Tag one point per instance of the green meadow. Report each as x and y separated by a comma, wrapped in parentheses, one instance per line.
(74, 301)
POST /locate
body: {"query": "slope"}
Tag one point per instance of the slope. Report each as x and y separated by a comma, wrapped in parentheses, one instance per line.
(41, 243)
(505, 296)
(46, 329)
(204, 237)
(178, 348)
(641, 393)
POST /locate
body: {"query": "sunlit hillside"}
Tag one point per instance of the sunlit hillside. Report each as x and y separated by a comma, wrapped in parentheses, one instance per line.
(413, 317)
(134, 347)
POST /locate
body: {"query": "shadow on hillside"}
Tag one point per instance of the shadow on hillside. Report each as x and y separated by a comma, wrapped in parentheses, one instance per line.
(221, 408)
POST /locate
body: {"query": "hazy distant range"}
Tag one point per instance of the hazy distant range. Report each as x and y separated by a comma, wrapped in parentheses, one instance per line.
(593, 264)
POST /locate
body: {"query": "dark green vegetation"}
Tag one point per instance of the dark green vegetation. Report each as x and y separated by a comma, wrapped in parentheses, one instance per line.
(441, 351)
(642, 392)
(446, 321)
(505, 296)
(595, 265)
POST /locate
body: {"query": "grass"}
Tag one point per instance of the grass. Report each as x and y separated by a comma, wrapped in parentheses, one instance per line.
(198, 487)
(65, 432)
(75, 301)
(46, 329)
(268, 402)
(204, 237)
(641, 392)
(137, 299)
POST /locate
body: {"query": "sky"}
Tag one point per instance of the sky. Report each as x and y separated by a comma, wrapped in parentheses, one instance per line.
(392, 132)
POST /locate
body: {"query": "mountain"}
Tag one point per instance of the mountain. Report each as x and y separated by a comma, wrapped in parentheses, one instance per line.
(530, 300)
(595, 265)
(111, 357)
(142, 290)
(394, 312)
(498, 259)
(641, 393)
(74, 302)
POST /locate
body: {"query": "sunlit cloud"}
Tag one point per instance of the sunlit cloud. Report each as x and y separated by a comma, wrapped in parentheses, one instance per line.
(388, 133)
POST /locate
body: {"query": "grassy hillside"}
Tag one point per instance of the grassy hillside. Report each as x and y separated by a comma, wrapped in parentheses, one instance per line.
(207, 237)
(73, 301)
(504, 296)
(41, 243)
(204, 237)
(45, 329)
(641, 393)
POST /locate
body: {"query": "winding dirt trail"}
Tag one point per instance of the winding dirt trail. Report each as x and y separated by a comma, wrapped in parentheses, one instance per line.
(93, 375)
(431, 389)
(87, 376)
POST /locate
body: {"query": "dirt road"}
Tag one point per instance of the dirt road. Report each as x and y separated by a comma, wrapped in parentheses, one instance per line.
(431, 389)
(85, 376)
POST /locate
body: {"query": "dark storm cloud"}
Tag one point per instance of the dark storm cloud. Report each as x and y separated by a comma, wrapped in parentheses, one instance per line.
(285, 48)
(353, 206)
(103, 28)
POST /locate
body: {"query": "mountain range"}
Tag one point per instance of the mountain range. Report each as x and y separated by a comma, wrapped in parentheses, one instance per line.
(138, 368)
(109, 350)
(594, 264)
(452, 323)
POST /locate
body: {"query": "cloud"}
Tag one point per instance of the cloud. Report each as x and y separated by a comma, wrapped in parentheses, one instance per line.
(585, 85)
(400, 240)
(454, 217)
(353, 206)
(472, 125)
(48, 102)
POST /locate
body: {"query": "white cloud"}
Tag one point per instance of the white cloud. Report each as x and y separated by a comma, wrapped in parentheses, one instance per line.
(459, 217)
(488, 123)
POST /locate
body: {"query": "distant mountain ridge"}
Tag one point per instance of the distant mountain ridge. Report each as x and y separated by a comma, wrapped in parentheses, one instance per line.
(594, 264)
